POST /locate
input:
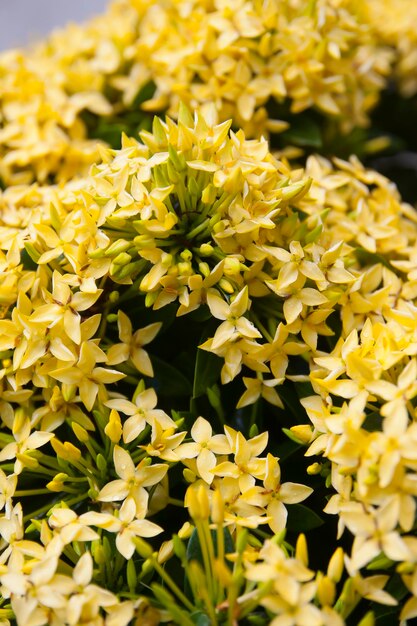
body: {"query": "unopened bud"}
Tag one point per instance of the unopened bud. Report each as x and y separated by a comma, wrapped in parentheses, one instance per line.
(150, 298)
(114, 428)
(186, 531)
(206, 249)
(301, 433)
(336, 565)
(209, 194)
(122, 259)
(119, 246)
(226, 286)
(189, 475)
(178, 547)
(296, 189)
(368, 620)
(186, 255)
(143, 548)
(301, 550)
(313, 469)
(326, 591)
(101, 462)
(27, 460)
(242, 540)
(204, 268)
(131, 575)
(166, 551)
(217, 509)
(231, 266)
(66, 451)
(80, 432)
(184, 268)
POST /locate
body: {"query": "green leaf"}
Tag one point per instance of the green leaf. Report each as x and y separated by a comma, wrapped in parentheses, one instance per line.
(201, 619)
(303, 132)
(194, 547)
(290, 398)
(207, 368)
(169, 381)
(146, 93)
(194, 551)
(28, 262)
(285, 449)
(302, 519)
(371, 258)
(372, 422)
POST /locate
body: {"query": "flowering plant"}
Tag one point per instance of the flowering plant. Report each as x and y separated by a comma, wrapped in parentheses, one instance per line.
(208, 334)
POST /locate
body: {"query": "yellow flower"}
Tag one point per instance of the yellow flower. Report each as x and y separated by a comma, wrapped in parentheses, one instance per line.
(165, 444)
(24, 443)
(246, 466)
(127, 523)
(141, 412)
(257, 388)
(84, 373)
(132, 480)
(65, 306)
(278, 494)
(235, 325)
(375, 532)
(70, 527)
(132, 344)
(204, 448)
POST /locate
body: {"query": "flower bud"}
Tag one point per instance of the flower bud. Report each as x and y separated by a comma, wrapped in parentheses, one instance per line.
(66, 451)
(117, 247)
(80, 432)
(189, 475)
(313, 469)
(231, 266)
(301, 550)
(217, 508)
(101, 462)
(302, 433)
(226, 286)
(336, 565)
(122, 259)
(326, 591)
(368, 620)
(143, 548)
(178, 547)
(114, 428)
(186, 531)
(131, 575)
(206, 249)
(166, 551)
(204, 268)
(27, 460)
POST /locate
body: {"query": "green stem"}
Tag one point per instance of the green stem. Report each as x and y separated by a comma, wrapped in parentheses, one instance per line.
(176, 502)
(31, 492)
(206, 556)
(47, 507)
(174, 588)
(198, 229)
(220, 556)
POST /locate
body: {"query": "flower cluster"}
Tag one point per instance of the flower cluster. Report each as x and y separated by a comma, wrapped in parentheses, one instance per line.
(198, 219)
(242, 56)
(207, 350)
(393, 24)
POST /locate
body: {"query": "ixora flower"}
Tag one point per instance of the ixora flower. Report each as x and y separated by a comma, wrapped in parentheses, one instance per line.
(244, 54)
(192, 272)
(187, 206)
(392, 22)
(239, 55)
